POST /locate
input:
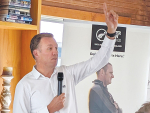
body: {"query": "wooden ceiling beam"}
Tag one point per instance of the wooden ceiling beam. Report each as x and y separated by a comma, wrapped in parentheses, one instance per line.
(137, 11)
(77, 14)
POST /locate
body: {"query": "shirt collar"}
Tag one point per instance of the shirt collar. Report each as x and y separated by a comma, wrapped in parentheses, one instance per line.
(38, 74)
(99, 83)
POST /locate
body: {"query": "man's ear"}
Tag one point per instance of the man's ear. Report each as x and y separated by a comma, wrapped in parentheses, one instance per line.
(35, 53)
(102, 72)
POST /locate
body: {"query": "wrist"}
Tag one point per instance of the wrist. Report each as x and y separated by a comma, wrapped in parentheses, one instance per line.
(49, 109)
(112, 38)
(111, 35)
(111, 31)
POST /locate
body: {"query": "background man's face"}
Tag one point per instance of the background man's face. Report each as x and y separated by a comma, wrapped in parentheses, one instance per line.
(108, 75)
(48, 53)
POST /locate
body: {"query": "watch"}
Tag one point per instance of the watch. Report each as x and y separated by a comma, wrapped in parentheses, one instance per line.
(112, 34)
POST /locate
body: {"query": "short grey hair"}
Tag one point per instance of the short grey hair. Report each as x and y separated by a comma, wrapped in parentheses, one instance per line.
(104, 68)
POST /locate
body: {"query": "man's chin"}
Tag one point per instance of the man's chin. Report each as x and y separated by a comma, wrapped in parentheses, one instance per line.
(55, 64)
(109, 83)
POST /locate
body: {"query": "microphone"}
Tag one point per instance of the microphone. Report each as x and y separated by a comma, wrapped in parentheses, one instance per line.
(60, 79)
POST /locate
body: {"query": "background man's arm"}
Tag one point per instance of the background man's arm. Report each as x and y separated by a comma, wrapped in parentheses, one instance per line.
(95, 103)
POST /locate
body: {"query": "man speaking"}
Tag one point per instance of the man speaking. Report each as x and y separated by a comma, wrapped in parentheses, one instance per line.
(37, 91)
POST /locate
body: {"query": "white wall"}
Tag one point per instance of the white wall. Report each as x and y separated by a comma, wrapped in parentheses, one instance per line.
(129, 87)
(148, 85)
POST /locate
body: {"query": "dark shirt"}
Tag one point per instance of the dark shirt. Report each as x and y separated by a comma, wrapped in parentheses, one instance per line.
(100, 100)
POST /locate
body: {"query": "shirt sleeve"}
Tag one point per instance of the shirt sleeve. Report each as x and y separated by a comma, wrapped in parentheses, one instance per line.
(99, 60)
(44, 110)
(21, 100)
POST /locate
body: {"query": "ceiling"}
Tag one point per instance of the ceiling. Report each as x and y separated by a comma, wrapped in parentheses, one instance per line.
(137, 10)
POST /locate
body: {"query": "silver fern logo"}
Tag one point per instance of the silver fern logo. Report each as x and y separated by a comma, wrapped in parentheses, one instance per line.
(100, 34)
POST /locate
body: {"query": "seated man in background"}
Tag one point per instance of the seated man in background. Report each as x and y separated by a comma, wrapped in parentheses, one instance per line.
(145, 108)
(100, 100)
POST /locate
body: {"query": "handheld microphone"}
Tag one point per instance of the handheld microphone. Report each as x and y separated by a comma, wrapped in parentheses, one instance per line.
(60, 79)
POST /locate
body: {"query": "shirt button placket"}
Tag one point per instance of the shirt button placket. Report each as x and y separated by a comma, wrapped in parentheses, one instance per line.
(52, 87)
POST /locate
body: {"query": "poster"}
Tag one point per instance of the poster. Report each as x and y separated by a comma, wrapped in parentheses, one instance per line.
(99, 32)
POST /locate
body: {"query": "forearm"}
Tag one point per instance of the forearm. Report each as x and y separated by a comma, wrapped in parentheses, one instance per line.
(102, 56)
(86, 68)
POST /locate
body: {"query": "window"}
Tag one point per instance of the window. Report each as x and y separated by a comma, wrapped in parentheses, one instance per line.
(57, 30)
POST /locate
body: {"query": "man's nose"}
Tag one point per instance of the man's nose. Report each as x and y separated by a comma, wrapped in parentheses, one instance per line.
(112, 76)
(55, 52)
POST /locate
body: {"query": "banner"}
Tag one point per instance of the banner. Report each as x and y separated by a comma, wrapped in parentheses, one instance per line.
(99, 32)
(129, 85)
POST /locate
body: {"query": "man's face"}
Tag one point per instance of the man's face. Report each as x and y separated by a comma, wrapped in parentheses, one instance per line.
(108, 75)
(47, 52)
